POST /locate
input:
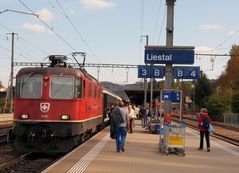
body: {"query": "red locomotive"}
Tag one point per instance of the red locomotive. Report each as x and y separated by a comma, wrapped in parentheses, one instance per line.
(56, 107)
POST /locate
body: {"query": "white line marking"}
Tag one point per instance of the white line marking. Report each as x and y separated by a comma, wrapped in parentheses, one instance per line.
(85, 161)
(196, 134)
(57, 162)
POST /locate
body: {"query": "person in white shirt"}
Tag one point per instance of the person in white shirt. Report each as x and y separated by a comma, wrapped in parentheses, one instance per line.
(132, 117)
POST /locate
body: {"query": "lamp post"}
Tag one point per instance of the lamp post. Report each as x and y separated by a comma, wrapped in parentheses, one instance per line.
(193, 87)
(145, 79)
(20, 12)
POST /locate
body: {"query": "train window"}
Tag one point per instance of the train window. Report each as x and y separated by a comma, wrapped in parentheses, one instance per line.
(83, 89)
(90, 89)
(95, 92)
(62, 87)
(31, 86)
(98, 93)
(78, 88)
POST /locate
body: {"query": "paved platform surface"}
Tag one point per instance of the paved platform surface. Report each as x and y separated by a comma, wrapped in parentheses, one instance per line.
(6, 117)
(6, 120)
(142, 156)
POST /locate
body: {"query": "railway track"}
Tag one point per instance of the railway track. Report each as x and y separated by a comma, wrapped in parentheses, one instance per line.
(30, 163)
(222, 131)
(12, 161)
(5, 134)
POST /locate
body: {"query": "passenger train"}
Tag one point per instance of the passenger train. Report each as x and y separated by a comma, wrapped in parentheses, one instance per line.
(58, 107)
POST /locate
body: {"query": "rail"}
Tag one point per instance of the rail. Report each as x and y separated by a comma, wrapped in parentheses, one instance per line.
(222, 131)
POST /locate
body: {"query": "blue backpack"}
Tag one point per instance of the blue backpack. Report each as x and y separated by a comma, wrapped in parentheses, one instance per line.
(205, 123)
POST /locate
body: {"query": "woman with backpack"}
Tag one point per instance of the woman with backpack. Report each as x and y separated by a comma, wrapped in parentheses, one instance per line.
(204, 122)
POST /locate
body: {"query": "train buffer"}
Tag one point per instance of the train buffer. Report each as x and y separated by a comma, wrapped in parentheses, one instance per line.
(142, 155)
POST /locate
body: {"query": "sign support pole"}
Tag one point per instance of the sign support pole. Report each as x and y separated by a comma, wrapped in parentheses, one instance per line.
(169, 42)
(145, 79)
(151, 97)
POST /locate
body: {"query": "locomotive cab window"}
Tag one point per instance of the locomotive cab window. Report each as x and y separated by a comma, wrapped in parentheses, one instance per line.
(18, 86)
(62, 87)
(78, 88)
(31, 86)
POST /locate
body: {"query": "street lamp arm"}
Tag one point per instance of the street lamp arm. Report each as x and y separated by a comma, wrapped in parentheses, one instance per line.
(21, 12)
(3, 11)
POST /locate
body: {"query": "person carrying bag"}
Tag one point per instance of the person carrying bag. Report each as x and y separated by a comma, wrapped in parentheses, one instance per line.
(204, 122)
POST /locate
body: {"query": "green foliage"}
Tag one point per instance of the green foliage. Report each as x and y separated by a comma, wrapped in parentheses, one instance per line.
(230, 77)
(215, 108)
(202, 91)
(235, 103)
(225, 95)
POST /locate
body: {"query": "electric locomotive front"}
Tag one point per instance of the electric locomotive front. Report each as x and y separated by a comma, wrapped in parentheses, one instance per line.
(52, 110)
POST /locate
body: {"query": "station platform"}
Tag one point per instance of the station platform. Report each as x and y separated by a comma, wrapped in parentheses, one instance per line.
(98, 155)
(6, 120)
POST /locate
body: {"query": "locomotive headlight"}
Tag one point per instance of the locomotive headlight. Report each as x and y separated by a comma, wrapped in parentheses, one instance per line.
(24, 116)
(65, 117)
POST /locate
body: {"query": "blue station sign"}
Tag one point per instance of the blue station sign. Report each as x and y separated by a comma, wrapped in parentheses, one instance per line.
(147, 71)
(185, 72)
(143, 71)
(156, 72)
(173, 96)
(166, 55)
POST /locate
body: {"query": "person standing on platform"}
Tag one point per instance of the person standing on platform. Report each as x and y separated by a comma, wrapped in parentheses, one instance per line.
(203, 124)
(136, 109)
(120, 122)
(143, 114)
(132, 117)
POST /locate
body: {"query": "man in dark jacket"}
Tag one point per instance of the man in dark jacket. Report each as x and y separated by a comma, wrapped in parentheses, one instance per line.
(203, 124)
(115, 120)
(120, 121)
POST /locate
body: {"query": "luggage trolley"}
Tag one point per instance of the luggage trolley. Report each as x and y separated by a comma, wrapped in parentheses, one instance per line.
(173, 139)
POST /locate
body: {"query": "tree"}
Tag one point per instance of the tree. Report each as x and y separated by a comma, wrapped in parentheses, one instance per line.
(235, 103)
(215, 108)
(230, 77)
(202, 91)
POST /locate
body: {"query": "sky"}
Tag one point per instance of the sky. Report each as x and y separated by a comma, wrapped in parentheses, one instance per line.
(109, 32)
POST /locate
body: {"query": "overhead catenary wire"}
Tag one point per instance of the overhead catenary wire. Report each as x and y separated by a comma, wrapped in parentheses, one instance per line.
(76, 30)
(229, 37)
(162, 24)
(141, 17)
(50, 28)
(16, 53)
(157, 20)
(28, 42)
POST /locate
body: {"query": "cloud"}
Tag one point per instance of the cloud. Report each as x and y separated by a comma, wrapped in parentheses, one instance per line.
(97, 4)
(45, 15)
(33, 27)
(208, 27)
(204, 49)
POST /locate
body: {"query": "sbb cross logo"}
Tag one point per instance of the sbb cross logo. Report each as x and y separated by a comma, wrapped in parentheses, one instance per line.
(44, 107)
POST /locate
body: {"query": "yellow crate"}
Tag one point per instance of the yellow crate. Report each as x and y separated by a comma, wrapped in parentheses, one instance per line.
(175, 140)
